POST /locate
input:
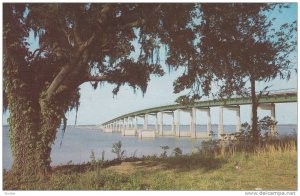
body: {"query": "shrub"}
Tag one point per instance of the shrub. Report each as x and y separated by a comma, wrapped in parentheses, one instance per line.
(117, 149)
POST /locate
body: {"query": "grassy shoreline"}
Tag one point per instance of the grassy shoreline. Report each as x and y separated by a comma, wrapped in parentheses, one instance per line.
(270, 168)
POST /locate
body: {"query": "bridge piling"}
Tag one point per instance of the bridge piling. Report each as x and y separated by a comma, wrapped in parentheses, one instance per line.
(120, 126)
(161, 128)
(132, 122)
(193, 123)
(128, 123)
(177, 132)
(208, 123)
(146, 121)
(136, 123)
(273, 118)
(113, 127)
(238, 118)
(123, 127)
(173, 124)
(156, 124)
(220, 126)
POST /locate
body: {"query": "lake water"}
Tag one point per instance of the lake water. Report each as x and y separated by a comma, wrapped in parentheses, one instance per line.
(78, 142)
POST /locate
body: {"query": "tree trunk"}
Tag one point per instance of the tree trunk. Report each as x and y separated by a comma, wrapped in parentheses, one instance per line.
(33, 128)
(255, 133)
(24, 125)
(51, 116)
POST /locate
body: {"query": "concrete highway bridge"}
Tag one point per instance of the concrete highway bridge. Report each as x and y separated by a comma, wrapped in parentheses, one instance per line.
(128, 126)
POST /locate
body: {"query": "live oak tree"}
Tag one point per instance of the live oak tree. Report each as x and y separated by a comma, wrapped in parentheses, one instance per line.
(77, 43)
(229, 45)
(233, 46)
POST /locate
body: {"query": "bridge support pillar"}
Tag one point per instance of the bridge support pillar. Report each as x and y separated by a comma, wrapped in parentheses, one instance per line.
(221, 126)
(156, 124)
(113, 127)
(209, 130)
(127, 123)
(135, 123)
(161, 124)
(119, 126)
(173, 124)
(273, 117)
(177, 131)
(131, 123)
(193, 123)
(146, 121)
(238, 120)
(123, 126)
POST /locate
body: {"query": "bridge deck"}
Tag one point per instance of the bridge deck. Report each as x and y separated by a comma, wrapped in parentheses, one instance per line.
(283, 97)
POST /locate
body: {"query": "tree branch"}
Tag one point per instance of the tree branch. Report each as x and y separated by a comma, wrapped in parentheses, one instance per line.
(104, 13)
(60, 77)
(86, 43)
(38, 51)
(133, 24)
(98, 78)
(77, 37)
(67, 35)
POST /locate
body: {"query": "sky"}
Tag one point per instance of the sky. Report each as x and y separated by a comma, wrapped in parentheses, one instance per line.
(98, 106)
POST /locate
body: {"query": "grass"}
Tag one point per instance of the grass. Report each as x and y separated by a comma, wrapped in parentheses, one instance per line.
(272, 167)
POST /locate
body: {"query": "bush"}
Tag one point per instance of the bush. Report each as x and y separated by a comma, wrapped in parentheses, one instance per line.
(117, 149)
(177, 152)
(164, 152)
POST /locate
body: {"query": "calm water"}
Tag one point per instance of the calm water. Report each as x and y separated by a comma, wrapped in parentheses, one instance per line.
(78, 142)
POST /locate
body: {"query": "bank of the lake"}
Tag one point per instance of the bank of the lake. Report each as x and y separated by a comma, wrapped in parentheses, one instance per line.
(76, 144)
(273, 167)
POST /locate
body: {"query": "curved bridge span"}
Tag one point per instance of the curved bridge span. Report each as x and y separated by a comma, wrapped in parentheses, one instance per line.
(126, 125)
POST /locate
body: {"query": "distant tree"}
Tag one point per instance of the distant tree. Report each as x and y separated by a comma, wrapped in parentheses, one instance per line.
(78, 43)
(234, 45)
